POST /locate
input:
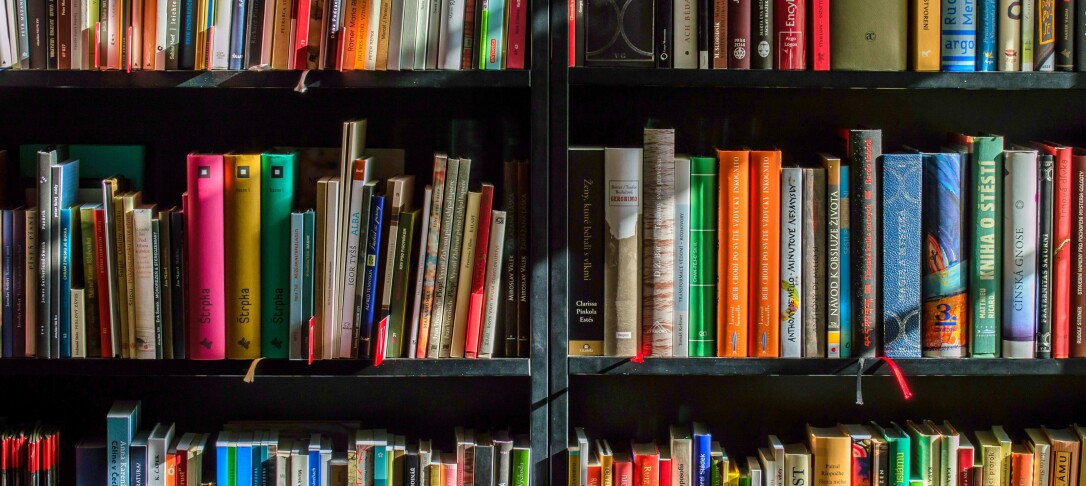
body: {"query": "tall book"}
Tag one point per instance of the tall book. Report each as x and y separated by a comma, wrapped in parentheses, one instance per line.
(112, 296)
(814, 262)
(1066, 451)
(832, 164)
(586, 251)
(987, 23)
(296, 319)
(65, 330)
(1045, 237)
(444, 249)
(1065, 35)
(1061, 251)
(680, 342)
(718, 35)
(703, 234)
(122, 421)
(846, 265)
(864, 149)
(400, 191)
(945, 310)
(477, 300)
(207, 288)
(490, 331)
(146, 337)
(329, 341)
(65, 180)
(403, 274)
(524, 242)
(452, 279)
(789, 28)
(122, 206)
(791, 265)
(733, 292)
(1019, 253)
(685, 33)
(367, 319)
(1042, 455)
(433, 239)
(22, 229)
(419, 270)
(1044, 36)
(762, 37)
(959, 34)
(1010, 36)
(354, 264)
(31, 256)
(276, 203)
(902, 179)
(924, 35)
(464, 280)
(819, 30)
(46, 158)
(765, 217)
(241, 181)
(658, 239)
(663, 40)
(622, 253)
(1078, 260)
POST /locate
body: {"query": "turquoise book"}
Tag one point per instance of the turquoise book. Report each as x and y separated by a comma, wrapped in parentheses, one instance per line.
(703, 208)
(276, 202)
(987, 16)
(899, 448)
(846, 270)
(96, 162)
(121, 423)
(902, 178)
(65, 310)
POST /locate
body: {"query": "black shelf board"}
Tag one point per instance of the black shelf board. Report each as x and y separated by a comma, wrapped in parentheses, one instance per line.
(264, 79)
(579, 365)
(392, 368)
(707, 78)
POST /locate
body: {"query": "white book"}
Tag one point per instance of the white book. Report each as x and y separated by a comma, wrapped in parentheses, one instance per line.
(777, 447)
(79, 12)
(1019, 253)
(331, 338)
(220, 38)
(157, 446)
(407, 35)
(416, 310)
(451, 38)
(422, 28)
(493, 283)
(797, 461)
(682, 456)
(162, 22)
(685, 23)
(143, 280)
(373, 29)
(681, 331)
(299, 464)
(351, 267)
(79, 324)
(769, 468)
(6, 46)
(791, 262)
(395, 28)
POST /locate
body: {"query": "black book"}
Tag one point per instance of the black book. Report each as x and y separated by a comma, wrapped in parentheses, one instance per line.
(177, 288)
(412, 471)
(51, 34)
(18, 263)
(761, 35)
(524, 317)
(579, 45)
(333, 19)
(1044, 255)
(1080, 36)
(614, 40)
(186, 44)
(663, 37)
(173, 33)
(864, 148)
(6, 297)
(705, 33)
(484, 461)
(254, 32)
(586, 240)
(36, 20)
(509, 257)
(1065, 35)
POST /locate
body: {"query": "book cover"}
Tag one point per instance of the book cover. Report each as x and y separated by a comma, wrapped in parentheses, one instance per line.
(762, 41)
(868, 36)
(831, 449)
(944, 270)
(242, 188)
(814, 262)
(587, 250)
(765, 218)
(622, 253)
(733, 293)
(610, 42)
(718, 35)
(1065, 35)
(207, 317)
(924, 35)
(791, 264)
(987, 19)
(122, 420)
(846, 266)
(685, 34)
(864, 149)
(703, 234)
(959, 36)
(373, 254)
(739, 27)
(1078, 260)
(1061, 251)
(1019, 253)
(789, 24)
(145, 338)
(276, 202)
(832, 164)
(902, 179)
(658, 240)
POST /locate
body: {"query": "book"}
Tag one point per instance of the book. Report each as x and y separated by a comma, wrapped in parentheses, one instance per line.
(354, 264)
(900, 452)
(433, 238)
(1044, 37)
(420, 269)
(490, 332)
(622, 253)
(1065, 35)
(846, 266)
(685, 33)
(207, 317)
(64, 181)
(242, 203)
(1041, 448)
(1065, 455)
(658, 239)
(832, 164)
(733, 291)
(463, 282)
(831, 451)
(702, 441)
(437, 249)
(949, 442)
(945, 311)
(663, 42)
(460, 212)
(367, 319)
(765, 217)
(1045, 237)
(762, 36)
(47, 157)
(789, 28)
(987, 23)
(925, 48)
(902, 180)
(586, 245)
(925, 452)
(400, 191)
(1019, 253)
(509, 265)
(403, 274)
(122, 421)
(814, 262)
(145, 338)
(636, 47)
(1061, 258)
(864, 149)
(112, 243)
(959, 31)
(1078, 260)
(718, 41)
(276, 202)
(1029, 21)
(124, 204)
(523, 243)
(869, 36)
(703, 236)
(791, 264)
(797, 462)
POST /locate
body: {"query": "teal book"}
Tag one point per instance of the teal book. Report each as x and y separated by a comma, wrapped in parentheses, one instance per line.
(899, 448)
(121, 423)
(493, 24)
(380, 460)
(309, 236)
(703, 209)
(65, 180)
(276, 203)
(297, 230)
(96, 162)
(65, 310)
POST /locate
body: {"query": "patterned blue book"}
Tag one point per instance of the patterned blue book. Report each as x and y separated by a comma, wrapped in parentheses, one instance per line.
(959, 35)
(703, 441)
(121, 423)
(987, 13)
(244, 470)
(8, 301)
(945, 271)
(373, 255)
(902, 179)
(1019, 253)
(846, 272)
(65, 309)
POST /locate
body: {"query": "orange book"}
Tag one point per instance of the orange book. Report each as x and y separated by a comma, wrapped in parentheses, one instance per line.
(150, 36)
(350, 36)
(171, 469)
(733, 260)
(765, 224)
(1021, 465)
(360, 34)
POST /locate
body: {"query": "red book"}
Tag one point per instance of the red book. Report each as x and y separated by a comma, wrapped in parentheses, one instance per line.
(301, 34)
(182, 467)
(647, 459)
(478, 274)
(1078, 254)
(595, 472)
(106, 326)
(665, 472)
(571, 13)
(1061, 223)
(820, 35)
(623, 469)
(965, 466)
(517, 31)
(739, 34)
(207, 282)
(789, 22)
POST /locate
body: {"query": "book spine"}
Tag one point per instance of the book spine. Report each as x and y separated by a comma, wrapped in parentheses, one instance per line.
(814, 263)
(685, 29)
(1020, 240)
(509, 266)
(299, 55)
(242, 220)
(1078, 259)
(987, 14)
(258, 33)
(765, 217)
(6, 284)
(959, 36)
(463, 282)
(354, 265)
(833, 257)
(586, 242)
(50, 38)
(493, 55)
(739, 27)
(680, 345)
(1044, 44)
(297, 318)
(65, 180)
(1061, 251)
(467, 54)
(235, 50)
(965, 466)
(156, 288)
(20, 280)
(1010, 35)
(452, 34)
(385, 22)
(703, 233)
(478, 275)
(330, 287)
(734, 255)
(789, 24)
(1065, 35)
(987, 245)
(149, 39)
(622, 254)
(516, 35)
(276, 202)
(63, 29)
(105, 321)
(820, 35)
(719, 35)
(172, 36)
(762, 39)
(665, 27)
(79, 325)
(45, 228)
(309, 244)
(207, 315)
(373, 255)
(945, 310)
(90, 281)
(421, 29)
(658, 236)
(186, 50)
(455, 252)
(791, 271)
(704, 32)
(448, 216)
(1029, 20)
(220, 33)
(1079, 34)
(420, 271)
(124, 206)
(144, 338)
(402, 276)
(433, 46)
(865, 147)
(490, 332)
(433, 239)
(179, 284)
(902, 179)
(1045, 238)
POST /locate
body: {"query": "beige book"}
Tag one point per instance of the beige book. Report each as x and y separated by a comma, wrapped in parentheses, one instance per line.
(437, 319)
(150, 36)
(797, 462)
(353, 146)
(622, 253)
(79, 323)
(139, 220)
(463, 284)
(129, 201)
(991, 458)
(333, 285)
(1042, 456)
(831, 448)
(456, 243)
(383, 35)
(282, 40)
(658, 237)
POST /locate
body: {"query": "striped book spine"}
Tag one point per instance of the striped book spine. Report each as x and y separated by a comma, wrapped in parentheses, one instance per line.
(733, 296)
(945, 314)
(959, 36)
(658, 240)
(703, 208)
(791, 266)
(1019, 253)
(902, 178)
(207, 319)
(765, 217)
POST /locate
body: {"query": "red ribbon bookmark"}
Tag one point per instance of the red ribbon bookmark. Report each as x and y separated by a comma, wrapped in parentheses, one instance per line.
(312, 324)
(899, 376)
(379, 352)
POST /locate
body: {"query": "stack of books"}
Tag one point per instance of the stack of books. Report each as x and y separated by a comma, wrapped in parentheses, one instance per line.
(971, 250)
(30, 455)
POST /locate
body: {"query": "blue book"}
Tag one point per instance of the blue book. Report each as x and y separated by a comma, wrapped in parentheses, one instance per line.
(90, 462)
(224, 473)
(703, 441)
(244, 470)
(8, 301)
(139, 463)
(959, 35)
(121, 423)
(65, 181)
(944, 269)
(987, 13)
(902, 179)
(846, 281)
(66, 282)
(493, 22)
(237, 36)
(369, 279)
(380, 461)
(315, 460)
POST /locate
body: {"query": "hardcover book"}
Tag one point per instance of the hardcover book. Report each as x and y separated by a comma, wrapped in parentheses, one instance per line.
(1010, 36)
(1065, 35)
(846, 266)
(733, 294)
(944, 271)
(680, 345)
(622, 254)
(718, 34)
(1045, 236)
(1019, 253)
(477, 290)
(864, 148)
(868, 36)
(464, 281)
(703, 237)
(924, 35)
(765, 217)
(242, 219)
(762, 41)
(658, 239)
(739, 26)
(276, 203)
(814, 262)
(1061, 252)
(1044, 36)
(791, 265)
(834, 263)
(902, 179)
(819, 25)
(207, 317)
(1078, 259)
(790, 36)
(959, 36)
(619, 33)
(987, 23)
(685, 33)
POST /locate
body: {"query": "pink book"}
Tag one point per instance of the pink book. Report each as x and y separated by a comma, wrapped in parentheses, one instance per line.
(207, 248)
(478, 275)
(518, 26)
(820, 35)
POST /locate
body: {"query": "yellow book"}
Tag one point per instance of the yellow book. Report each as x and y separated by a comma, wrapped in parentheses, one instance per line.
(242, 214)
(463, 285)
(832, 451)
(363, 19)
(201, 34)
(436, 478)
(318, 270)
(926, 47)
(991, 458)
(128, 202)
(607, 459)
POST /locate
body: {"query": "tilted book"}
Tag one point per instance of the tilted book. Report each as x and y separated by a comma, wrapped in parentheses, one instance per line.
(242, 185)
(658, 235)
(765, 224)
(399, 192)
(864, 148)
(703, 233)
(433, 239)
(944, 271)
(403, 274)
(207, 270)
(420, 269)
(814, 262)
(902, 179)
(791, 265)
(733, 291)
(1020, 253)
(622, 254)
(276, 203)
(1009, 27)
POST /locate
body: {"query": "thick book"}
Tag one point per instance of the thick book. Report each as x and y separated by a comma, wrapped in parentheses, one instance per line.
(832, 164)
(1078, 260)
(122, 421)
(987, 23)
(622, 252)
(704, 180)
(959, 52)
(241, 184)
(586, 235)
(276, 202)
(627, 43)
(791, 266)
(814, 262)
(1009, 28)
(762, 39)
(1061, 251)
(1019, 253)
(685, 33)
(207, 287)
(869, 36)
(945, 309)
(765, 217)
(901, 179)
(789, 29)
(680, 340)
(1046, 172)
(89, 256)
(46, 158)
(864, 148)
(733, 260)
(658, 235)
(1065, 35)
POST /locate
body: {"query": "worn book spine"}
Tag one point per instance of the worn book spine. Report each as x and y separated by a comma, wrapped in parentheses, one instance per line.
(452, 278)
(718, 35)
(833, 255)
(622, 254)
(1010, 35)
(587, 202)
(207, 296)
(1065, 35)
(814, 262)
(1044, 36)
(987, 19)
(662, 39)
(819, 25)
(959, 51)
(762, 40)
(156, 288)
(986, 251)
(658, 239)
(448, 217)
(791, 266)
(685, 34)
(680, 345)
(765, 218)
(1019, 253)
(242, 183)
(739, 27)
(733, 259)
(789, 28)
(902, 179)
(945, 309)
(703, 233)
(1046, 172)
(865, 147)
(1078, 259)
(276, 202)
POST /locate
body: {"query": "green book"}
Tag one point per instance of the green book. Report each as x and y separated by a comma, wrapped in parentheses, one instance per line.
(402, 276)
(232, 464)
(900, 453)
(718, 464)
(276, 203)
(1004, 452)
(985, 258)
(522, 462)
(309, 235)
(96, 162)
(925, 451)
(93, 334)
(703, 208)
